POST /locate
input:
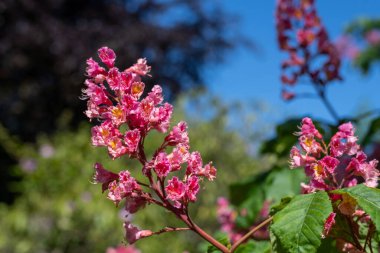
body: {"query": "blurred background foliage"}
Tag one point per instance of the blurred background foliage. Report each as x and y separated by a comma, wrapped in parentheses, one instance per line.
(366, 32)
(59, 210)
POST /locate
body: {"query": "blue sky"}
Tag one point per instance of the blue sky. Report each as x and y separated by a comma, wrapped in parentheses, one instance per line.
(248, 76)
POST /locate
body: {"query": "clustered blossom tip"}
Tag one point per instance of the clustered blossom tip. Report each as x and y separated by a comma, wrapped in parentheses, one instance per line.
(340, 163)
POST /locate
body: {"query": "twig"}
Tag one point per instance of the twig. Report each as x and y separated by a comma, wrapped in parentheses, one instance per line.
(250, 233)
(170, 229)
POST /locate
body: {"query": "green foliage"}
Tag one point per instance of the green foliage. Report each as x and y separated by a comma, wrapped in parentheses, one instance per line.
(284, 139)
(255, 247)
(371, 53)
(367, 57)
(298, 227)
(251, 193)
(368, 199)
(223, 239)
(60, 210)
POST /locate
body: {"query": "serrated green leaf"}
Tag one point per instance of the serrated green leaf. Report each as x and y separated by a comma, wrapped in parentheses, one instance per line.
(298, 227)
(368, 199)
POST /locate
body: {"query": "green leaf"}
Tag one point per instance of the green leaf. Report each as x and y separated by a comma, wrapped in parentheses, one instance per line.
(298, 227)
(271, 186)
(368, 199)
(328, 245)
(223, 239)
(276, 208)
(254, 247)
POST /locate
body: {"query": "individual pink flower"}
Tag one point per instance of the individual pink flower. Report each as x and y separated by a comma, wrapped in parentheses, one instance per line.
(309, 144)
(175, 189)
(308, 128)
(107, 56)
(128, 183)
(208, 171)
(329, 223)
(178, 156)
(145, 109)
(178, 135)
(194, 163)
(104, 176)
(123, 187)
(329, 163)
(96, 93)
(156, 94)
(132, 233)
(192, 188)
(132, 140)
(93, 69)
(344, 141)
(298, 160)
(101, 135)
(116, 114)
(115, 192)
(137, 89)
(162, 165)
(161, 117)
(116, 147)
(141, 68)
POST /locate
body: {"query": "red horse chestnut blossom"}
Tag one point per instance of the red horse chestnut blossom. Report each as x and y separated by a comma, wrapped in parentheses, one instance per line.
(115, 99)
(301, 34)
(335, 165)
(339, 164)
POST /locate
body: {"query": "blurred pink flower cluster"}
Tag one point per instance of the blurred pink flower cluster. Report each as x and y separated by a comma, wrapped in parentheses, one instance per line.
(301, 34)
(115, 99)
(338, 164)
(227, 220)
(123, 249)
(350, 48)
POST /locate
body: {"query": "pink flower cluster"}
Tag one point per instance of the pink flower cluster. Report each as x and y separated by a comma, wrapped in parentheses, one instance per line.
(351, 49)
(115, 98)
(347, 48)
(373, 37)
(339, 164)
(301, 34)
